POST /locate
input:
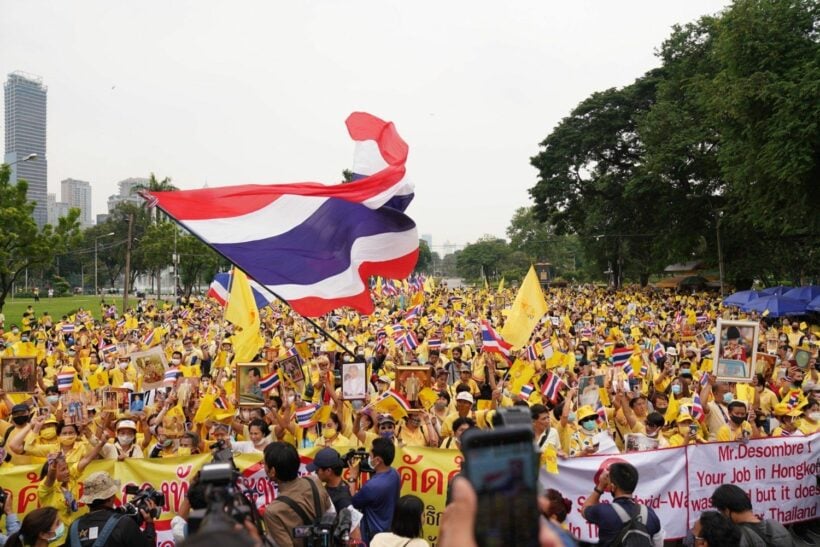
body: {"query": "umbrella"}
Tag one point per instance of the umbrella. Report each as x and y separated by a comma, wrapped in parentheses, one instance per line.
(804, 293)
(777, 306)
(814, 305)
(740, 298)
(776, 291)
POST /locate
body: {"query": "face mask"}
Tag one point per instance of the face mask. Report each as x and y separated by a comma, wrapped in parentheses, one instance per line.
(166, 443)
(728, 397)
(58, 533)
(386, 435)
(20, 420)
(578, 358)
(737, 420)
(676, 389)
(291, 398)
(441, 405)
(124, 365)
(813, 416)
(125, 438)
(371, 463)
(53, 399)
(288, 344)
(48, 434)
(329, 432)
(683, 430)
(686, 371)
(184, 451)
(653, 435)
(68, 441)
(175, 361)
(24, 339)
(589, 425)
(357, 405)
(92, 367)
(15, 331)
(571, 417)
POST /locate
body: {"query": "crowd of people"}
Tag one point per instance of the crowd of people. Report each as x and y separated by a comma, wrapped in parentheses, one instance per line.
(603, 370)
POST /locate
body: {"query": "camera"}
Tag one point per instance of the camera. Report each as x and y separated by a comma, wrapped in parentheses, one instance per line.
(361, 455)
(224, 503)
(330, 531)
(140, 501)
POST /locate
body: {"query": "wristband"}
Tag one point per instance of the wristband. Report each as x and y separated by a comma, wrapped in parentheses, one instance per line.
(599, 492)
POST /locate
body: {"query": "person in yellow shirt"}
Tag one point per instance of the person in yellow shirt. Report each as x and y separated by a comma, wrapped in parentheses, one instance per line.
(466, 379)
(810, 423)
(413, 433)
(686, 431)
(464, 408)
(582, 442)
(788, 418)
(332, 434)
(363, 429)
(741, 425)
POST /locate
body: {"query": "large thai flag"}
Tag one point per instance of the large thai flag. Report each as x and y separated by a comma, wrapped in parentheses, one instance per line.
(221, 292)
(311, 244)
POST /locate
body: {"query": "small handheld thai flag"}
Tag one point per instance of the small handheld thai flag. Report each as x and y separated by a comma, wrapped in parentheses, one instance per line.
(148, 339)
(434, 343)
(398, 330)
(221, 403)
(702, 318)
(64, 381)
(108, 349)
(304, 415)
(704, 379)
(526, 391)
(68, 328)
(658, 351)
(121, 322)
(628, 370)
(171, 376)
(621, 355)
(410, 342)
(697, 409)
(644, 369)
(532, 354)
(414, 313)
(600, 410)
(269, 382)
(546, 349)
(492, 342)
(552, 387)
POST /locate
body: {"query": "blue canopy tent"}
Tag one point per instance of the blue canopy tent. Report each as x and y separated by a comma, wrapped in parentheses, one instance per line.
(806, 293)
(777, 306)
(775, 291)
(740, 298)
(814, 305)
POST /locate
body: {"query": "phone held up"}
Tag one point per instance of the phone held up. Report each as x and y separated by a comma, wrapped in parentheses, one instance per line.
(502, 466)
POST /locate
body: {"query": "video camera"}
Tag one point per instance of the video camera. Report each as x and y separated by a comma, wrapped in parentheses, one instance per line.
(140, 501)
(362, 456)
(331, 531)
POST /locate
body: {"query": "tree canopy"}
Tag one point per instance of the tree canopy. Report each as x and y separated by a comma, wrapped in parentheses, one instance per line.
(722, 138)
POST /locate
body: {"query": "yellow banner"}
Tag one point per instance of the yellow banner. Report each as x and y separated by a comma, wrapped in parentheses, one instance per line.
(424, 472)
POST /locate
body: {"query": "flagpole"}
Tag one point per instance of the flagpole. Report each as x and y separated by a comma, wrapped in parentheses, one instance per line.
(272, 293)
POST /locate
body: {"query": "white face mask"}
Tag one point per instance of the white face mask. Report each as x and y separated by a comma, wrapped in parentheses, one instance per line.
(288, 344)
(175, 361)
(125, 438)
(814, 416)
(123, 365)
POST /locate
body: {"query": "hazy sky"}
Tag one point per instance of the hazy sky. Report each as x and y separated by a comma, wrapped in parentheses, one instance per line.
(241, 92)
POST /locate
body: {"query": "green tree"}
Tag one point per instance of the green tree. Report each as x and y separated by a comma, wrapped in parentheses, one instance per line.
(198, 262)
(22, 244)
(425, 262)
(487, 257)
(539, 242)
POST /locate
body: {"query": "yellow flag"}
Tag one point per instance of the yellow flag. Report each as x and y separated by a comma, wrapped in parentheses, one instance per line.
(551, 459)
(745, 392)
(390, 405)
(520, 374)
(501, 284)
(206, 407)
(428, 398)
(529, 307)
(243, 313)
(672, 410)
(323, 414)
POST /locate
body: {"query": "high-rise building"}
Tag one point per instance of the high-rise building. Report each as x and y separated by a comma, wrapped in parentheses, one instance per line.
(55, 210)
(77, 193)
(26, 135)
(128, 188)
(429, 239)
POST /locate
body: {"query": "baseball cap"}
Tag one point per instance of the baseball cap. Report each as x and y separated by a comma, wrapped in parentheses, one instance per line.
(20, 408)
(99, 486)
(386, 418)
(464, 368)
(465, 396)
(126, 424)
(385, 379)
(326, 457)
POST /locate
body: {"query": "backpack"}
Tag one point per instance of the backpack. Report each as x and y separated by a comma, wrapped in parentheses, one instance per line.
(634, 532)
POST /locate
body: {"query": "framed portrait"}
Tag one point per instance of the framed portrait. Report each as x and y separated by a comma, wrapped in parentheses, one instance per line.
(588, 387)
(75, 413)
(735, 352)
(293, 368)
(410, 381)
(19, 374)
(116, 399)
(636, 442)
(765, 361)
(248, 376)
(152, 364)
(136, 402)
(802, 356)
(354, 381)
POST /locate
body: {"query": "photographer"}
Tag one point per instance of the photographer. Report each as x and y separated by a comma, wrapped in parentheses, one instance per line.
(301, 501)
(377, 498)
(103, 526)
(328, 466)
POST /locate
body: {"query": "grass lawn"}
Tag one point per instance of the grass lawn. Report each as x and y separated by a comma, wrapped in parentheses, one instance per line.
(56, 307)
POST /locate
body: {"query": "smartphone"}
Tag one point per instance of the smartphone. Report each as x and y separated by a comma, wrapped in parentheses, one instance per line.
(502, 466)
(693, 429)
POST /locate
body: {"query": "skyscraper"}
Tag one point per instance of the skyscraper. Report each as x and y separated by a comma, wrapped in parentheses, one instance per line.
(26, 134)
(77, 193)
